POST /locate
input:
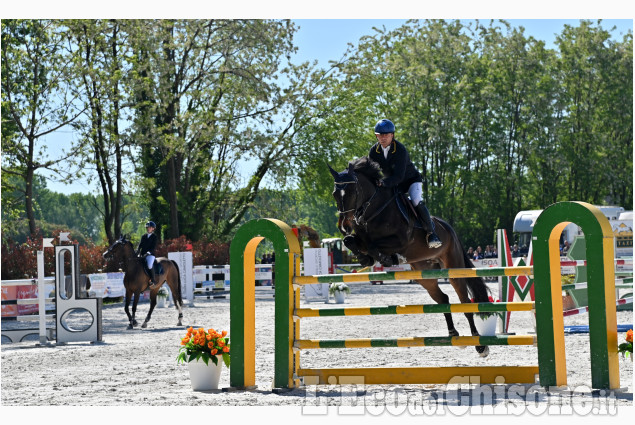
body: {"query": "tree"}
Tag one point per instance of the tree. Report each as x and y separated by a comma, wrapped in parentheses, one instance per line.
(37, 98)
(101, 54)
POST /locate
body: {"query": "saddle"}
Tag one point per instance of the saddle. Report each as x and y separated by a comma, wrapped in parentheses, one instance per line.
(158, 268)
(405, 206)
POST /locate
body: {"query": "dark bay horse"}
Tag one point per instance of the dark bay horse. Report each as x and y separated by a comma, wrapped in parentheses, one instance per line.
(136, 280)
(375, 229)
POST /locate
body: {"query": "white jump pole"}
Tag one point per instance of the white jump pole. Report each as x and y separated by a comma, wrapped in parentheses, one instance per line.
(41, 294)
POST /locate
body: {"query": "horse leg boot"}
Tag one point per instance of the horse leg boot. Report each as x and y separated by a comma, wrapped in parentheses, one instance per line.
(428, 226)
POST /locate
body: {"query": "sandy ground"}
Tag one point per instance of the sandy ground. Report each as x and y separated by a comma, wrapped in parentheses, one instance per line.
(138, 367)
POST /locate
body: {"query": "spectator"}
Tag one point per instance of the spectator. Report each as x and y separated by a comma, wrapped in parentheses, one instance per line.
(478, 254)
(494, 252)
(515, 251)
(564, 248)
(470, 252)
(488, 252)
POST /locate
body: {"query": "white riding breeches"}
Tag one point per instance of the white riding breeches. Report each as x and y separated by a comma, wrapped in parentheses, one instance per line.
(415, 191)
(150, 261)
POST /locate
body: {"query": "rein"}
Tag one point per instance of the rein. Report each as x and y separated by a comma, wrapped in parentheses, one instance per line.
(360, 220)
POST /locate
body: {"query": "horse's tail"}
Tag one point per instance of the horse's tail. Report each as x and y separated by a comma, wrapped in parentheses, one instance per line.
(178, 281)
(475, 285)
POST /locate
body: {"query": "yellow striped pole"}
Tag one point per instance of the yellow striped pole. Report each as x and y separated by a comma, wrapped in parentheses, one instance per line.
(421, 375)
(415, 274)
(415, 309)
(426, 341)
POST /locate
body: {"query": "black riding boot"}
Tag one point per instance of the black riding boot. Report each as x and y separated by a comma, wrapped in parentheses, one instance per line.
(152, 277)
(428, 226)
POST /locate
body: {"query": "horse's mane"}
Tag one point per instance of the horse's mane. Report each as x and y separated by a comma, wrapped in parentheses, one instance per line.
(367, 167)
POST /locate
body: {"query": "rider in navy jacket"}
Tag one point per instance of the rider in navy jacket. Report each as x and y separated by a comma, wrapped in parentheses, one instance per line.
(399, 171)
(146, 248)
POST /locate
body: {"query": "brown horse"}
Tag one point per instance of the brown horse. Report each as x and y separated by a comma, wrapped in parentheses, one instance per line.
(136, 280)
(376, 229)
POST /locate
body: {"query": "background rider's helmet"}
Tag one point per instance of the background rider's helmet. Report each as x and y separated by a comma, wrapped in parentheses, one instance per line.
(151, 224)
(384, 126)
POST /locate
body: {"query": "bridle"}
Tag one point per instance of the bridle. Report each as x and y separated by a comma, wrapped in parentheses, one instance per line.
(360, 212)
(110, 251)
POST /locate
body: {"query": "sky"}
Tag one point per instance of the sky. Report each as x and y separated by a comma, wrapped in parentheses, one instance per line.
(327, 39)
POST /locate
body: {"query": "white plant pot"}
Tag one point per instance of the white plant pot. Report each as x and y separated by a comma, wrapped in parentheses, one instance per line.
(340, 297)
(162, 302)
(205, 377)
(486, 327)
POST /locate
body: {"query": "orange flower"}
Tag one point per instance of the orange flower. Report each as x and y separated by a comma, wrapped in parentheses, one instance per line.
(214, 351)
(202, 342)
(225, 349)
(224, 333)
(185, 341)
(629, 336)
(210, 331)
(210, 345)
(209, 337)
(220, 342)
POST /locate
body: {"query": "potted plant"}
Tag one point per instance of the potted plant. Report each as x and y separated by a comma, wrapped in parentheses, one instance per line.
(486, 322)
(162, 297)
(626, 348)
(339, 291)
(198, 347)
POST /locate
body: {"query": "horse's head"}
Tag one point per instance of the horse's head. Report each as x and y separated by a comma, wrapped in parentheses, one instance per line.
(353, 187)
(345, 194)
(118, 244)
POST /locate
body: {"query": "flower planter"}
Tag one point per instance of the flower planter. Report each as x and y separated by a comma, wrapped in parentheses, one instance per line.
(486, 327)
(205, 377)
(162, 302)
(340, 297)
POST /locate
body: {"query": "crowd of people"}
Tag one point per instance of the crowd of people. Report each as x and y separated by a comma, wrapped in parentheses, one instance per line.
(268, 258)
(479, 254)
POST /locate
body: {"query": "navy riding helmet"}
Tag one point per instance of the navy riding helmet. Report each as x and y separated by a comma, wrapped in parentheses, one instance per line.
(384, 126)
(151, 224)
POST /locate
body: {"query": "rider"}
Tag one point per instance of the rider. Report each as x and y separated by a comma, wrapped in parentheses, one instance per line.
(146, 249)
(395, 163)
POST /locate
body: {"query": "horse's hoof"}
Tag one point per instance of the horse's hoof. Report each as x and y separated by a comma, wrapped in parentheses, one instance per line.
(145, 325)
(483, 351)
(365, 260)
(135, 323)
(130, 327)
(180, 323)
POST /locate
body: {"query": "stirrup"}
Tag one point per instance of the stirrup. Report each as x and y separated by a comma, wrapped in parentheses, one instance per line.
(434, 241)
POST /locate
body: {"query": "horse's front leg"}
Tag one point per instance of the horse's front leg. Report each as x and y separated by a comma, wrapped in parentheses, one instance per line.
(133, 321)
(354, 244)
(127, 310)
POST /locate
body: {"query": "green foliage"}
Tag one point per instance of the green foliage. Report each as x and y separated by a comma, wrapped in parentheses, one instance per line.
(495, 121)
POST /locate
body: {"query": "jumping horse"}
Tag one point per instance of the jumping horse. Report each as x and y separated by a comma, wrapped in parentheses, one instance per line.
(379, 228)
(136, 280)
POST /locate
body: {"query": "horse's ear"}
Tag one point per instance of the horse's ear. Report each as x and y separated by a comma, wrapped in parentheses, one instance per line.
(334, 173)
